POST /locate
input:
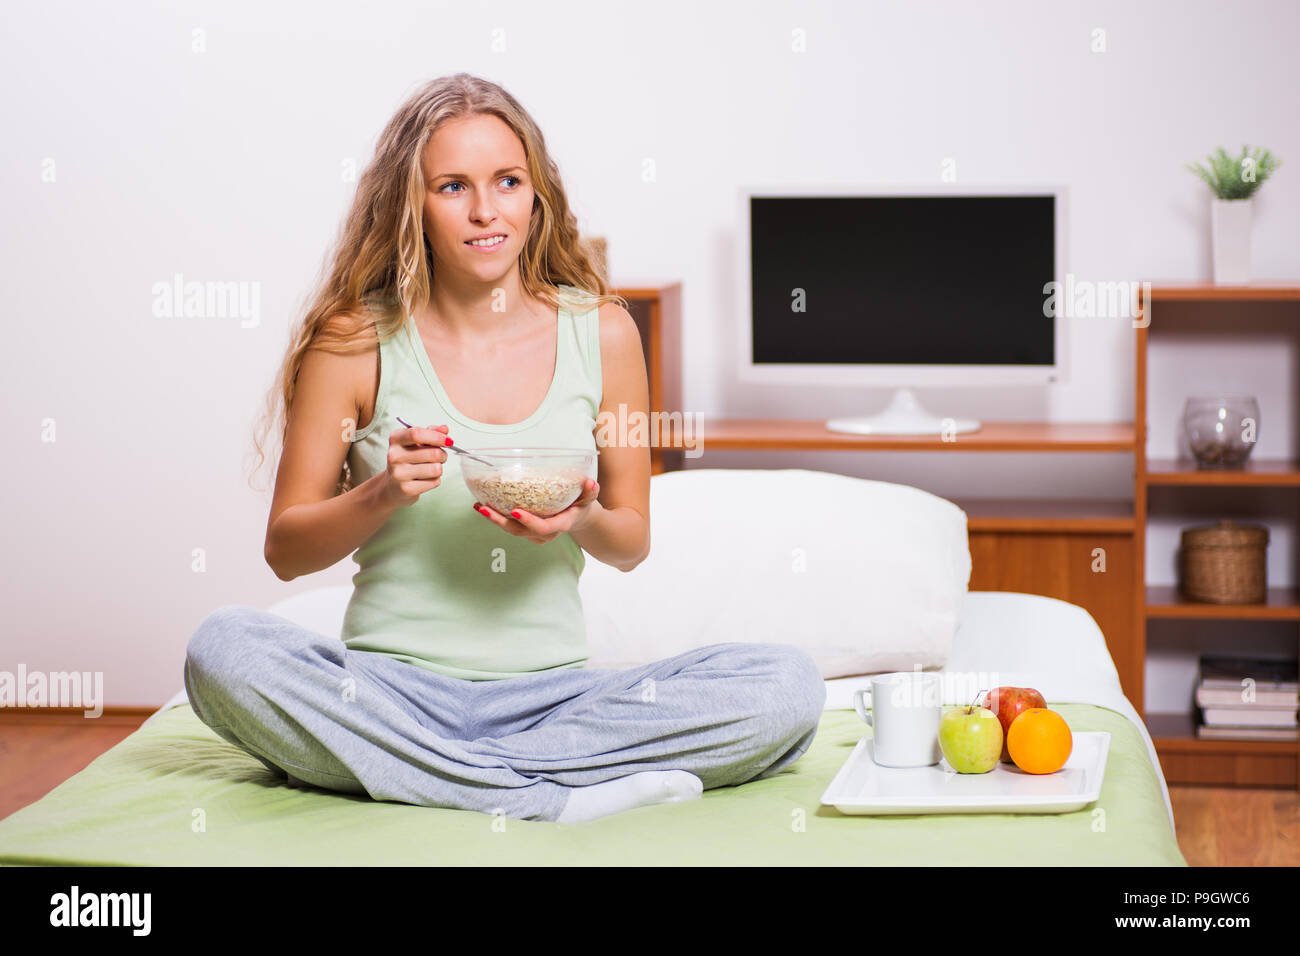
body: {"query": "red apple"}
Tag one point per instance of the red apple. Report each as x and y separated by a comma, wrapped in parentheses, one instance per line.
(1009, 703)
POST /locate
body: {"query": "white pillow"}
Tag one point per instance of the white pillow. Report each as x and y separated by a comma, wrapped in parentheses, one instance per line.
(866, 576)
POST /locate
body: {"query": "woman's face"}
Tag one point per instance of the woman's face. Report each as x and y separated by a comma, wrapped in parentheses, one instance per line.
(476, 180)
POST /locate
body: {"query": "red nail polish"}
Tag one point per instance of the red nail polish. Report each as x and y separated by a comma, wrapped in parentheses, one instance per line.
(449, 441)
(514, 514)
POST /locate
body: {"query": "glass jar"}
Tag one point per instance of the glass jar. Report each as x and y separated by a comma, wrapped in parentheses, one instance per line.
(1221, 429)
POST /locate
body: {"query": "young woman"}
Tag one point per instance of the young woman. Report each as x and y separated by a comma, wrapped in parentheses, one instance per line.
(462, 296)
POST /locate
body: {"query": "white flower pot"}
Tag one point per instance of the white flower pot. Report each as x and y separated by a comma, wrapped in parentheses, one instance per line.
(1230, 231)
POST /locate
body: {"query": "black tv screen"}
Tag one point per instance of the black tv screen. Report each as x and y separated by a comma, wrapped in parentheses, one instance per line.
(902, 280)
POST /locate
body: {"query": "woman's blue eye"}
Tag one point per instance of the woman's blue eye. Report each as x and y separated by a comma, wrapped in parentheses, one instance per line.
(456, 182)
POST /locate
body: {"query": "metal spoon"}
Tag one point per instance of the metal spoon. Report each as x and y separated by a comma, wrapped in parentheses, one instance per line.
(459, 451)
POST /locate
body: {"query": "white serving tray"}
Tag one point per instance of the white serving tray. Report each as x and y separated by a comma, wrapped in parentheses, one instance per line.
(863, 787)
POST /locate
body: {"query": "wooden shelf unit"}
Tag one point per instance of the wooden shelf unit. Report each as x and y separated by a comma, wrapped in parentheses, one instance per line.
(1184, 757)
(1280, 604)
(656, 307)
(786, 434)
(1263, 473)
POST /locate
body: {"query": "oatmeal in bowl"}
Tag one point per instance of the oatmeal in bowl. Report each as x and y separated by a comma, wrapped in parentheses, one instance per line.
(542, 481)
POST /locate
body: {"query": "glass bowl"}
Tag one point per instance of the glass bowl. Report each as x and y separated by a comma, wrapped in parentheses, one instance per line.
(542, 481)
(1221, 429)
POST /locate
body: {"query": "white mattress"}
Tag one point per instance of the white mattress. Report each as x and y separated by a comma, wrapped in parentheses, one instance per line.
(1005, 639)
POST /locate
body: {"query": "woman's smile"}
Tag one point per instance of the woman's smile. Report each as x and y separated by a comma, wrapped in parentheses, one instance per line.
(487, 245)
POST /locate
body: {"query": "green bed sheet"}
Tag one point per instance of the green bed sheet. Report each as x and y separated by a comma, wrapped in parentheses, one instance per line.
(142, 803)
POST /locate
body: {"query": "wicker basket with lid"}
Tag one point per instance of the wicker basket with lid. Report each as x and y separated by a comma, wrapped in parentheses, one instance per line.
(1224, 563)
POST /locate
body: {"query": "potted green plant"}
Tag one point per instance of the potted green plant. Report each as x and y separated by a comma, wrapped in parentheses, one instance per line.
(1234, 180)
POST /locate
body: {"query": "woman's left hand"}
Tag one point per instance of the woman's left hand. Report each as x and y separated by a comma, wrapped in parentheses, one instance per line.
(525, 524)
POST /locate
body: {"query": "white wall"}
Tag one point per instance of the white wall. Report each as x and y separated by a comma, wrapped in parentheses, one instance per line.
(226, 165)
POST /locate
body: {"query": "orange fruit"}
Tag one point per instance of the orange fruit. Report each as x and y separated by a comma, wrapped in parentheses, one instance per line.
(1039, 740)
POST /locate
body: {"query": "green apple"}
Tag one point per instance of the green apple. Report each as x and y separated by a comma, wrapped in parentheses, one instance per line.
(971, 739)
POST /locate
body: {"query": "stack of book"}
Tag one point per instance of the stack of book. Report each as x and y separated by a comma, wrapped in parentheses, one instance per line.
(1248, 699)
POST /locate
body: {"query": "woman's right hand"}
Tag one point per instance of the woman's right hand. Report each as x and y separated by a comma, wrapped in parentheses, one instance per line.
(415, 457)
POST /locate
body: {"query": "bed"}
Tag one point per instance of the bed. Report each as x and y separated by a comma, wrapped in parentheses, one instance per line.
(867, 576)
(142, 802)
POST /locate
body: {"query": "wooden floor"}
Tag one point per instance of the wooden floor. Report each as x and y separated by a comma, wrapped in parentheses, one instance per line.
(37, 757)
(1222, 826)
(1216, 826)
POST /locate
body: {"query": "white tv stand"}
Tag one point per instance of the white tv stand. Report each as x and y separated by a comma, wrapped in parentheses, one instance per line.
(904, 416)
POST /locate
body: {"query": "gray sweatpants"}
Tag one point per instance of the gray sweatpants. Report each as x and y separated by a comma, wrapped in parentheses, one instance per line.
(360, 722)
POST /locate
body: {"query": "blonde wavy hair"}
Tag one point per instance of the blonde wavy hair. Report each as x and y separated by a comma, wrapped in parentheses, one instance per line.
(381, 269)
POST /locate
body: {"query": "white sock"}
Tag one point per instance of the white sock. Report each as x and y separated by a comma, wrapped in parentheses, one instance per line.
(625, 793)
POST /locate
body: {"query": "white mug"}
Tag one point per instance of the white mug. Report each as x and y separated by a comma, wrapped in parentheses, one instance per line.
(904, 719)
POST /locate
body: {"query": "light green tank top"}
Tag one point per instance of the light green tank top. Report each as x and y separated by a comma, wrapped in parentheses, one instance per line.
(439, 585)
